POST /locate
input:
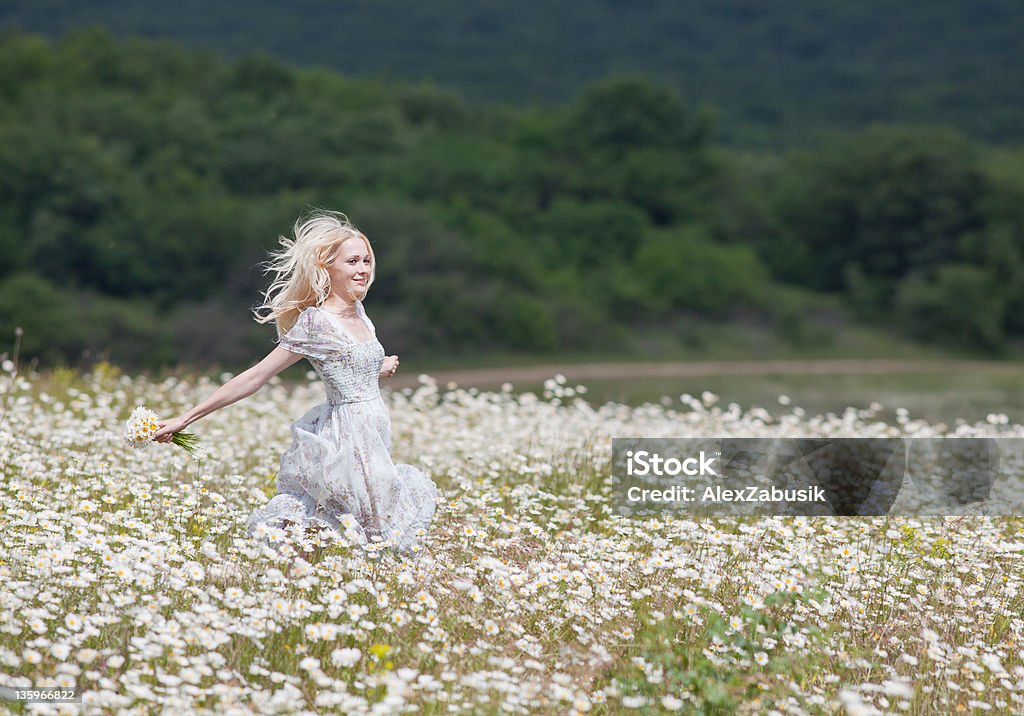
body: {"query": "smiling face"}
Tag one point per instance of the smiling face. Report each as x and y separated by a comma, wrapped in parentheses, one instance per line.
(351, 270)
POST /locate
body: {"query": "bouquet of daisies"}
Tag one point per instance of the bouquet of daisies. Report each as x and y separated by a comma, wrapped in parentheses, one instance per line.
(141, 426)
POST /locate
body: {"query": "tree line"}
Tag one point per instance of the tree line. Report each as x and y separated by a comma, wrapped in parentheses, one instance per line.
(141, 183)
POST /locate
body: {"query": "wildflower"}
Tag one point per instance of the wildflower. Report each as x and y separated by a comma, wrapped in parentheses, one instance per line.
(633, 702)
(900, 689)
(335, 596)
(424, 598)
(87, 656)
(671, 703)
(195, 571)
(345, 658)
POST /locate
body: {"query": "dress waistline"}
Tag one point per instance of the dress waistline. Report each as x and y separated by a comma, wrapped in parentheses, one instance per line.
(355, 400)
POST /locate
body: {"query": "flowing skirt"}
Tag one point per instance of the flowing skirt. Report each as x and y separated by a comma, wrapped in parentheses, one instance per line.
(338, 473)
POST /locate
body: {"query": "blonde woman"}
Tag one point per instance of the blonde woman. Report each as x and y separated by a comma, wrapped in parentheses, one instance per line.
(338, 471)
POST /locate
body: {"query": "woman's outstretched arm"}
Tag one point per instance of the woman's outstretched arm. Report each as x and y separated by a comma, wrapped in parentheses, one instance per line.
(241, 386)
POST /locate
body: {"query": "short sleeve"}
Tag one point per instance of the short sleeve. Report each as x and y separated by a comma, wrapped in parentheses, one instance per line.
(307, 337)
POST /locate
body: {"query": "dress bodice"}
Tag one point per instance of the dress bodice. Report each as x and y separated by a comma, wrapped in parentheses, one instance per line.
(349, 369)
(354, 376)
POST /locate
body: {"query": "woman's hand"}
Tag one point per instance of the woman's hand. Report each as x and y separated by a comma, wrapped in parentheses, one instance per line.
(168, 428)
(389, 366)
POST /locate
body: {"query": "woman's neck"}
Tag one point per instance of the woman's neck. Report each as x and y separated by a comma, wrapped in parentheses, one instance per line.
(340, 306)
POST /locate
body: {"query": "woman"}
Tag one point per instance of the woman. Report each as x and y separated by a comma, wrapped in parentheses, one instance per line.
(339, 463)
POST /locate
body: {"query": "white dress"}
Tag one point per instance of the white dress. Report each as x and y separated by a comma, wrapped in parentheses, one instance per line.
(339, 462)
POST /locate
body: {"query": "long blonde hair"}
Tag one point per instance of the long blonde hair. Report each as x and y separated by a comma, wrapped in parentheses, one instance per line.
(300, 267)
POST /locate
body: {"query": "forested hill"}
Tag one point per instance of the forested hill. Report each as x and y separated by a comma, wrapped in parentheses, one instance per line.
(779, 72)
(142, 182)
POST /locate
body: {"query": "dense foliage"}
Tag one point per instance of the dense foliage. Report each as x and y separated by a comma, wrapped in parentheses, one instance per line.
(781, 72)
(141, 184)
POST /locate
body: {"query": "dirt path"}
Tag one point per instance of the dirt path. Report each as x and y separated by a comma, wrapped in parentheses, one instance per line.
(577, 373)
